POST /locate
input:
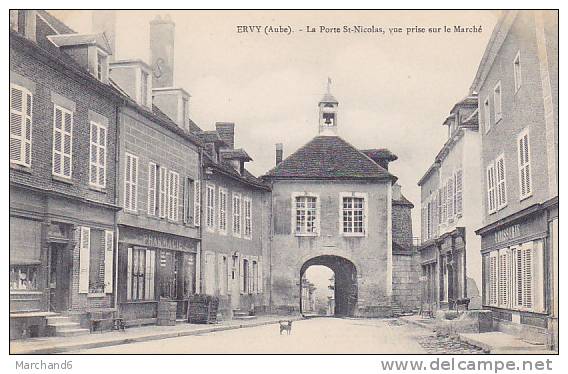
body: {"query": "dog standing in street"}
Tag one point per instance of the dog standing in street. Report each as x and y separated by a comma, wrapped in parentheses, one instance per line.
(285, 326)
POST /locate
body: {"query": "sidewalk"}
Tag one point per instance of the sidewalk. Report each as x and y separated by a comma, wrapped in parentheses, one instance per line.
(495, 342)
(52, 345)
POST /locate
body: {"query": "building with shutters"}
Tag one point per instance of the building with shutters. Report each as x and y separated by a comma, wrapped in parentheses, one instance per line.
(159, 176)
(450, 214)
(517, 85)
(234, 225)
(337, 206)
(63, 131)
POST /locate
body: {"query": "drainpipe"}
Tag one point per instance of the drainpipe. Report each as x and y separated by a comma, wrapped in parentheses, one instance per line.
(270, 238)
(116, 192)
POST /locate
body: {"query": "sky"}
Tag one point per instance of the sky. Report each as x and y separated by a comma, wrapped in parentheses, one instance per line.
(394, 90)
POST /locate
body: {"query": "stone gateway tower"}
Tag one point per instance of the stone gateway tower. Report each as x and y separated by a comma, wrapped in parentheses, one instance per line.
(338, 206)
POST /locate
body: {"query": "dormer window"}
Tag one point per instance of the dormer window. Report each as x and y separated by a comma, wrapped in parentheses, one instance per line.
(133, 77)
(101, 65)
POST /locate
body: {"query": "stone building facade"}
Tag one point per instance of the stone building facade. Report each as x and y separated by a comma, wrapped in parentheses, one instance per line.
(517, 84)
(332, 205)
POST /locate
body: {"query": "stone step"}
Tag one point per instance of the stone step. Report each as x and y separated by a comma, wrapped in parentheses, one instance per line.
(71, 332)
(57, 318)
(246, 317)
(63, 324)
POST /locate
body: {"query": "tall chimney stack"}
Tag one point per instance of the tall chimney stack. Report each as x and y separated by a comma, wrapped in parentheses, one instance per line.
(279, 153)
(104, 21)
(226, 131)
(162, 33)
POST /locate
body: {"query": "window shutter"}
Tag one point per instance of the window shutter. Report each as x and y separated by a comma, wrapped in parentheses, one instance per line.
(538, 276)
(527, 275)
(491, 196)
(198, 271)
(504, 277)
(229, 275)
(459, 193)
(250, 275)
(501, 187)
(84, 257)
(493, 279)
(129, 275)
(185, 200)
(109, 260)
(197, 203)
(151, 189)
(220, 274)
(241, 275)
(149, 281)
(525, 179)
(20, 125)
(450, 192)
(175, 198)
(67, 143)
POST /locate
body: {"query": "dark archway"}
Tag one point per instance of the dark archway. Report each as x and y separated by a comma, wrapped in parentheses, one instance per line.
(345, 288)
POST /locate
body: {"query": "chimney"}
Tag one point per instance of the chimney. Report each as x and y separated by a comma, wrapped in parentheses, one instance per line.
(226, 131)
(24, 22)
(104, 21)
(162, 33)
(279, 152)
(396, 193)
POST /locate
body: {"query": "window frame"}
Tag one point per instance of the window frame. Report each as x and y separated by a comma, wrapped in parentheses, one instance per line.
(498, 94)
(517, 71)
(363, 209)
(62, 154)
(148, 279)
(23, 123)
(98, 146)
(316, 231)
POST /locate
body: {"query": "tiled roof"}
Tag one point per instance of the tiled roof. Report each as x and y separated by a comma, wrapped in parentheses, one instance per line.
(328, 157)
(229, 170)
(209, 136)
(54, 22)
(403, 201)
(235, 154)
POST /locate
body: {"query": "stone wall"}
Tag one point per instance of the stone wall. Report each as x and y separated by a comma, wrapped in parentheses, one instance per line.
(405, 281)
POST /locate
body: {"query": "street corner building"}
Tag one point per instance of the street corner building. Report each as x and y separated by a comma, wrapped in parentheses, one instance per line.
(517, 84)
(337, 206)
(450, 214)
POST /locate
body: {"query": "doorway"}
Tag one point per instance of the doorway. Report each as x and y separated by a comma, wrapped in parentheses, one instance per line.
(59, 277)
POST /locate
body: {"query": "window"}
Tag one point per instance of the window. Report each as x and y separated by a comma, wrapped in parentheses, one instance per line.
(237, 214)
(20, 125)
(197, 203)
(140, 274)
(188, 201)
(440, 205)
(517, 71)
(23, 277)
(487, 115)
(353, 215)
(306, 215)
(222, 210)
(497, 102)
(62, 142)
(162, 192)
(491, 189)
(501, 184)
(101, 66)
(152, 183)
(170, 274)
(247, 207)
(525, 179)
(97, 160)
(96, 248)
(245, 276)
(524, 257)
(131, 183)
(458, 201)
(254, 276)
(210, 206)
(173, 196)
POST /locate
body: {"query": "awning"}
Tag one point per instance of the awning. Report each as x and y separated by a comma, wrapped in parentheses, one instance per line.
(25, 241)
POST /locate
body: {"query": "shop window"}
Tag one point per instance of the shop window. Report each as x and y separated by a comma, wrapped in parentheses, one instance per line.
(169, 273)
(97, 262)
(23, 277)
(140, 274)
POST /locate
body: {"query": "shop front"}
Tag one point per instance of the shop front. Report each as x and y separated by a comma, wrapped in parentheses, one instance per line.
(429, 278)
(154, 268)
(517, 273)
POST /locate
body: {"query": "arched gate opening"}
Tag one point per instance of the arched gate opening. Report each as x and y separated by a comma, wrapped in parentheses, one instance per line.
(345, 284)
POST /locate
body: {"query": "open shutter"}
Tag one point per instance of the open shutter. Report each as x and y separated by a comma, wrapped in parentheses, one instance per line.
(162, 208)
(459, 193)
(501, 188)
(151, 189)
(185, 195)
(527, 275)
(197, 203)
(198, 271)
(241, 275)
(84, 257)
(504, 278)
(109, 260)
(538, 276)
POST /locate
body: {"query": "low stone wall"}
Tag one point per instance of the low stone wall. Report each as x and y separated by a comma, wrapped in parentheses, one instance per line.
(405, 281)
